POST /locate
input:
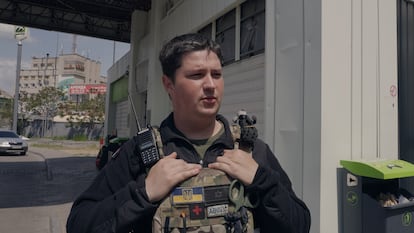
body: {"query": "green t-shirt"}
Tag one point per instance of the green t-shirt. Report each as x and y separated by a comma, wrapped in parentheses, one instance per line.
(201, 145)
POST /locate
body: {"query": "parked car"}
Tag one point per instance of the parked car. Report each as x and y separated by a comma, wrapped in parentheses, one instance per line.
(11, 143)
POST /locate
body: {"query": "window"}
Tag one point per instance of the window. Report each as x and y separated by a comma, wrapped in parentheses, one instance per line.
(226, 35)
(206, 30)
(250, 21)
(252, 28)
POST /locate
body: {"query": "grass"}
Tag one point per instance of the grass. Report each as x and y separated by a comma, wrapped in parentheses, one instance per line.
(47, 145)
(69, 146)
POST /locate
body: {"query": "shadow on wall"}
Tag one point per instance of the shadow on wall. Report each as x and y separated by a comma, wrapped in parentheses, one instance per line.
(40, 128)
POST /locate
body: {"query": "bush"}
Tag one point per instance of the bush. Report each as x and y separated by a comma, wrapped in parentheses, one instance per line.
(80, 138)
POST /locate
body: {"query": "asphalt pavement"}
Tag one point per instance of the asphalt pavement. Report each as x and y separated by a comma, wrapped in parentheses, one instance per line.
(37, 190)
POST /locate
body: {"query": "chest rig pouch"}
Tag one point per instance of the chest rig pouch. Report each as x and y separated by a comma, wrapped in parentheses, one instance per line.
(210, 202)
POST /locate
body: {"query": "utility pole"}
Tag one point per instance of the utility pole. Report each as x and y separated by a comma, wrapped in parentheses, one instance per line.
(16, 90)
(20, 33)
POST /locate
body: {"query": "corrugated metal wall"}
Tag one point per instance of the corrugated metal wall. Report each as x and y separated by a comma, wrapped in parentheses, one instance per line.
(121, 119)
(244, 89)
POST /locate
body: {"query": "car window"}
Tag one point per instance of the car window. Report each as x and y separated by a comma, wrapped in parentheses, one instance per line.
(8, 134)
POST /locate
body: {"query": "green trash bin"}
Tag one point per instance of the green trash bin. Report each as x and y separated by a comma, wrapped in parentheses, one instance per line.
(362, 185)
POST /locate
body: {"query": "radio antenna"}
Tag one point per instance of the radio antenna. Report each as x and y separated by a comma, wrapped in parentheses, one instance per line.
(135, 113)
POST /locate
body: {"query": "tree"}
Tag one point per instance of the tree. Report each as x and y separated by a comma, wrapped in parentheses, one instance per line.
(90, 111)
(45, 103)
(85, 115)
(94, 108)
(6, 112)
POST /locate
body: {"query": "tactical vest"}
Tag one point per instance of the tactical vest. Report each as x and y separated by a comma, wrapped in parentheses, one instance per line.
(211, 202)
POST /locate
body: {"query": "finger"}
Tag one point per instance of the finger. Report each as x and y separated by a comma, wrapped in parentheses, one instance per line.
(220, 166)
(178, 166)
(173, 155)
(187, 172)
(227, 159)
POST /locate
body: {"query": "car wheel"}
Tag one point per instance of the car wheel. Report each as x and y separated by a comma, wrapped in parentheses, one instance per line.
(23, 153)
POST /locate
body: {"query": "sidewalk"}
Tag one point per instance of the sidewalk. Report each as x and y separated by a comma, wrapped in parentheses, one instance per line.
(46, 218)
(42, 219)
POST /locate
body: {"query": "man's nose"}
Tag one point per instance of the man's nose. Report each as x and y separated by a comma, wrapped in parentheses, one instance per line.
(209, 81)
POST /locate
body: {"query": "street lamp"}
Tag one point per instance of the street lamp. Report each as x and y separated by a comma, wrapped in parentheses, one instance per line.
(20, 33)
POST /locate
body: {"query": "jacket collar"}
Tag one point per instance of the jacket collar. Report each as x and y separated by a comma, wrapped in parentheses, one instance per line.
(170, 133)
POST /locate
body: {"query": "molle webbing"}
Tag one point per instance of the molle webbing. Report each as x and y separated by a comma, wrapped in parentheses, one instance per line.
(199, 204)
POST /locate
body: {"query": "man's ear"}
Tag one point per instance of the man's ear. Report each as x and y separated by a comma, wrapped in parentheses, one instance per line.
(168, 84)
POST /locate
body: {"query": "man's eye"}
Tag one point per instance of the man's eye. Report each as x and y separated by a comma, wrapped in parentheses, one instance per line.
(196, 76)
(216, 75)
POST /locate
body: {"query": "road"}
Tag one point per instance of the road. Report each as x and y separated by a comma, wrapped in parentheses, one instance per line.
(37, 190)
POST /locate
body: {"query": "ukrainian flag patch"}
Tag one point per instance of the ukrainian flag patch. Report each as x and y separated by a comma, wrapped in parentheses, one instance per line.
(187, 195)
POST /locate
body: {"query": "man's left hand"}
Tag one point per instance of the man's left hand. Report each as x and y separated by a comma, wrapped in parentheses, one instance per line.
(238, 164)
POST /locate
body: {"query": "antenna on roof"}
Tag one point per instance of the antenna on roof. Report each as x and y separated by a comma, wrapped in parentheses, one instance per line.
(74, 44)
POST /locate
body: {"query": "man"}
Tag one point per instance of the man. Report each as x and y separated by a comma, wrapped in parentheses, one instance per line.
(125, 195)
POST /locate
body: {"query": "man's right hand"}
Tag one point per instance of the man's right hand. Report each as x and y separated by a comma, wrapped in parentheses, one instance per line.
(167, 173)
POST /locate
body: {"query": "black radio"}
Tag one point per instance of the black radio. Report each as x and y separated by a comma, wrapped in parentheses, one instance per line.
(147, 143)
(148, 147)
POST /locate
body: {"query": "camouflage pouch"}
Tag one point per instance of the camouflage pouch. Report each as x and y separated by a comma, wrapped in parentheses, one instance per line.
(201, 205)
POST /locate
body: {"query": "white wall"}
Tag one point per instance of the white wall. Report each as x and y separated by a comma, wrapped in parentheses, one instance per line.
(358, 113)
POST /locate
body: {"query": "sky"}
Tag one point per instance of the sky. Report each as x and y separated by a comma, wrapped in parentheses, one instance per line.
(40, 42)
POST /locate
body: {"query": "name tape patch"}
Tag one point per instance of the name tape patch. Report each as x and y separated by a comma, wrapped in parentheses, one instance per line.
(217, 210)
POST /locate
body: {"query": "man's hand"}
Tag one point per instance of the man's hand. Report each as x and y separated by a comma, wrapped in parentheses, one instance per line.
(166, 174)
(237, 164)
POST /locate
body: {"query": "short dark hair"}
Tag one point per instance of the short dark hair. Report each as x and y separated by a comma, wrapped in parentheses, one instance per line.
(172, 52)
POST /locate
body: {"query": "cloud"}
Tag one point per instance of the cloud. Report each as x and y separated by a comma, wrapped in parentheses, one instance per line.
(7, 75)
(6, 31)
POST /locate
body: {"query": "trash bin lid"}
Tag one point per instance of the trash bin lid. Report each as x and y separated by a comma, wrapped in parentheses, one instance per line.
(380, 169)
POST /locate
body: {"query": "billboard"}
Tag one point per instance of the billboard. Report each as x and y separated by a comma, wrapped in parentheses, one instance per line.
(82, 89)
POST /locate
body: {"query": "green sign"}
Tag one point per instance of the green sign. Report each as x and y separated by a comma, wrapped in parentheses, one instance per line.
(20, 32)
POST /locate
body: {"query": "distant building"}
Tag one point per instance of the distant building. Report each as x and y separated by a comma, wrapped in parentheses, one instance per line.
(61, 72)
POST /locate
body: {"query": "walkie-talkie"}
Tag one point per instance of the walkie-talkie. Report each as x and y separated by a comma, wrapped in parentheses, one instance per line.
(146, 142)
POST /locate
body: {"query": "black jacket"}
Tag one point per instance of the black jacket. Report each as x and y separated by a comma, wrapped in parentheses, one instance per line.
(116, 201)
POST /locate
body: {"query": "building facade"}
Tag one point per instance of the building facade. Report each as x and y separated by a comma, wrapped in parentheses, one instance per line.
(60, 72)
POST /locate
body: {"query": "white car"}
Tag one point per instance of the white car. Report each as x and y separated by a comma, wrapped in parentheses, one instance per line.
(10, 142)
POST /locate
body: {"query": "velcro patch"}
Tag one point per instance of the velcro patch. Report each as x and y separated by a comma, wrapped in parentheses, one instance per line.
(217, 210)
(187, 195)
(216, 194)
(197, 211)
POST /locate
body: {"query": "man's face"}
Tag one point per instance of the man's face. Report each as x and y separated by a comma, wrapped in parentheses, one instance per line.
(198, 87)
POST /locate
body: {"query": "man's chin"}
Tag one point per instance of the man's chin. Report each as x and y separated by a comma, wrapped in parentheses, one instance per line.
(212, 112)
